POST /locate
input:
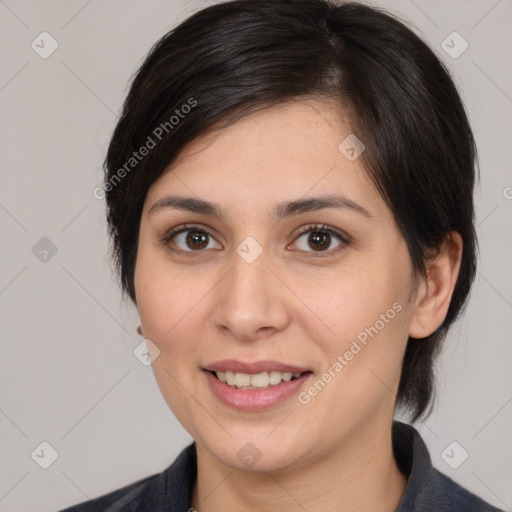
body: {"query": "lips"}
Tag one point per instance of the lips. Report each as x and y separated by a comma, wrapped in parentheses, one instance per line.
(234, 366)
(254, 386)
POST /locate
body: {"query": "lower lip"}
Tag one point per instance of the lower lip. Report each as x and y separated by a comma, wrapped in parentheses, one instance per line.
(254, 399)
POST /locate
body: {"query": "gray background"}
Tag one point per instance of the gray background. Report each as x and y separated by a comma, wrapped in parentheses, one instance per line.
(68, 373)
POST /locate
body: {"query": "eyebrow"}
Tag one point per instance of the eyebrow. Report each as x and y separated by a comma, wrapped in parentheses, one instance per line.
(280, 211)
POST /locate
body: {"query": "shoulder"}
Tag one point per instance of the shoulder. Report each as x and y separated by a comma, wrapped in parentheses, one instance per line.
(170, 490)
(127, 498)
(427, 488)
(452, 496)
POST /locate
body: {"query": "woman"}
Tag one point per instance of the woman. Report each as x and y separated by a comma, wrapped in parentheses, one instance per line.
(289, 194)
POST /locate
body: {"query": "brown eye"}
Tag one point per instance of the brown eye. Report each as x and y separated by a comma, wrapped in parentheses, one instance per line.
(190, 239)
(197, 240)
(320, 239)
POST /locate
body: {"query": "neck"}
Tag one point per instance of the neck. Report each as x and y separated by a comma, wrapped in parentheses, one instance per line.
(362, 474)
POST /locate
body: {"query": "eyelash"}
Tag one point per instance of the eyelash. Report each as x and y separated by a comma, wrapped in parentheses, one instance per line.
(318, 228)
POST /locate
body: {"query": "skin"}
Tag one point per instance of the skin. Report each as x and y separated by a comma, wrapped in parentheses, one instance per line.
(294, 304)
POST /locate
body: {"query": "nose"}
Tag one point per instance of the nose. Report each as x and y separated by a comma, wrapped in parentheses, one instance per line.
(251, 301)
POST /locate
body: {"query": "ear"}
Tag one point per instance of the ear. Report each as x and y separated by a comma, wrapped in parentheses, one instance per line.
(435, 291)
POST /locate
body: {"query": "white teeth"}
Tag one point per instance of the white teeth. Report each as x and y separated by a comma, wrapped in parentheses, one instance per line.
(274, 378)
(260, 380)
(256, 380)
(242, 379)
(287, 376)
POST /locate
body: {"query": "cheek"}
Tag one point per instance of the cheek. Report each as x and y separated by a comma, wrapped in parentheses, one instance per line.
(363, 333)
(171, 305)
(161, 300)
(362, 360)
(351, 301)
(164, 309)
(165, 303)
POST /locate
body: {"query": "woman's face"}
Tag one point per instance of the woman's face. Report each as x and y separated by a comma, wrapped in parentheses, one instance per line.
(267, 290)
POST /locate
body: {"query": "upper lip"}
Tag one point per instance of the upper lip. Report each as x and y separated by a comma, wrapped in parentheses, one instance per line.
(232, 365)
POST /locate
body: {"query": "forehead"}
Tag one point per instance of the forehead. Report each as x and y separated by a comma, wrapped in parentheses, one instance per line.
(280, 153)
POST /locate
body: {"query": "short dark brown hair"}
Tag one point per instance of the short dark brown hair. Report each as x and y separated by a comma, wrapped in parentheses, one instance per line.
(240, 56)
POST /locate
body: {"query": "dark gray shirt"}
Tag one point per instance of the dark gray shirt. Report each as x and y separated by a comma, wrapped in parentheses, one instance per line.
(427, 490)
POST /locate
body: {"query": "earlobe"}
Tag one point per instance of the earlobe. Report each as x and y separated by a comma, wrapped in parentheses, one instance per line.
(436, 290)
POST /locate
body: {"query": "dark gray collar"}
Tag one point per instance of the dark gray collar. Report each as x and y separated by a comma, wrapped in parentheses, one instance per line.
(427, 489)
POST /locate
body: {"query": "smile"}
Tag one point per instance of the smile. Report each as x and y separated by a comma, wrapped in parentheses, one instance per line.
(256, 380)
(254, 386)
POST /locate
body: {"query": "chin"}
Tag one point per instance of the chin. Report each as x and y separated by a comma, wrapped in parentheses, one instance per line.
(257, 453)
